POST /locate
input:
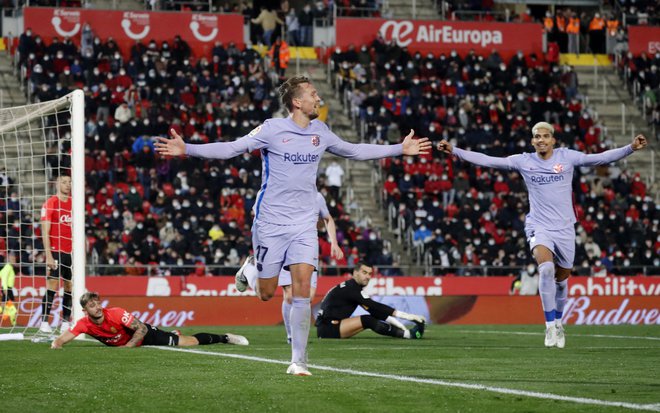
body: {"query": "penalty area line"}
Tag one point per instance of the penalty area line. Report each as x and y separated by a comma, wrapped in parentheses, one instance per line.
(437, 382)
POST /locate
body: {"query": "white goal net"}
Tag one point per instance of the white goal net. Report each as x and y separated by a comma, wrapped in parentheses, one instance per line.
(39, 143)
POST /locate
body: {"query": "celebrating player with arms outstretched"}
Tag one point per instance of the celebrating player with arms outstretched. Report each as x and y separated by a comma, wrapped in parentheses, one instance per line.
(548, 175)
(284, 228)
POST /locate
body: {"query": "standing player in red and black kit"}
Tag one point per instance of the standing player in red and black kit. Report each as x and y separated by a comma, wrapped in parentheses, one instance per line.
(56, 234)
(118, 328)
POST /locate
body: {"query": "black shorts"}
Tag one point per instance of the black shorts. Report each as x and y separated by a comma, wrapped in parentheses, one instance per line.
(63, 269)
(328, 329)
(156, 337)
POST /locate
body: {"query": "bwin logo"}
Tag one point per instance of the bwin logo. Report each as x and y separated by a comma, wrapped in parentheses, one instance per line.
(300, 158)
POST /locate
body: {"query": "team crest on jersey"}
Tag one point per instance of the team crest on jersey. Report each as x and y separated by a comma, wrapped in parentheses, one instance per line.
(558, 168)
(114, 330)
(316, 140)
(255, 131)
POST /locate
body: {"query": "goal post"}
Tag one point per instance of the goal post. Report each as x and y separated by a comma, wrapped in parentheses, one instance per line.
(39, 142)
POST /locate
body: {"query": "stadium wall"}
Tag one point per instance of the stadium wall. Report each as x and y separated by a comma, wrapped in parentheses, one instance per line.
(191, 301)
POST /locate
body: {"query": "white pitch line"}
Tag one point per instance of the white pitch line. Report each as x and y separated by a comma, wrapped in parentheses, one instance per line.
(470, 386)
(524, 333)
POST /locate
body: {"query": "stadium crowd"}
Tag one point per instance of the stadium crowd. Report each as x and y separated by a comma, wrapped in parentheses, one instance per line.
(173, 214)
(474, 217)
(144, 210)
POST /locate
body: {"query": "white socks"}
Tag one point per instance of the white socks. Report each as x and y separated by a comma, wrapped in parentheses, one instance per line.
(547, 291)
(301, 312)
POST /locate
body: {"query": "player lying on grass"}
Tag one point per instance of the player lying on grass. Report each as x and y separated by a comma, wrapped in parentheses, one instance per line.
(334, 318)
(117, 327)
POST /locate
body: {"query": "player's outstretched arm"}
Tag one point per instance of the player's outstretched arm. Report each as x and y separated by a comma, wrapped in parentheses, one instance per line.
(217, 150)
(368, 151)
(64, 338)
(474, 157)
(140, 331)
(613, 155)
(171, 147)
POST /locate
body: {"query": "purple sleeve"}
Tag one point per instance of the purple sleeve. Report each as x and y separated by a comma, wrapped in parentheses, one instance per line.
(323, 207)
(218, 150)
(362, 151)
(602, 158)
(484, 160)
(256, 139)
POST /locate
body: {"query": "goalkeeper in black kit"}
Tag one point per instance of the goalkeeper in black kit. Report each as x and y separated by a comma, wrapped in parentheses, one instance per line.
(334, 318)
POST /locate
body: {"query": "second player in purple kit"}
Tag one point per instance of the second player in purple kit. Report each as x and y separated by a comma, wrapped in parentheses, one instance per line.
(549, 225)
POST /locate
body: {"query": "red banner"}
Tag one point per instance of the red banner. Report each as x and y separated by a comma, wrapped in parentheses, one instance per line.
(118, 286)
(527, 310)
(199, 30)
(442, 36)
(204, 311)
(644, 39)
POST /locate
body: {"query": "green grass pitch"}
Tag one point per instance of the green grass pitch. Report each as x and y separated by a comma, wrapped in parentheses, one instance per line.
(453, 369)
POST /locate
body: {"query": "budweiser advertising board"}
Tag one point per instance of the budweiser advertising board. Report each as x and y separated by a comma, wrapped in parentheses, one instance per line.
(186, 301)
(444, 36)
(135, 286)
(199, 30)
(644, 39)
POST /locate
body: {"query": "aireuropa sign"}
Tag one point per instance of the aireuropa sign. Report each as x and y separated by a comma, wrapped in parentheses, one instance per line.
(443, 37)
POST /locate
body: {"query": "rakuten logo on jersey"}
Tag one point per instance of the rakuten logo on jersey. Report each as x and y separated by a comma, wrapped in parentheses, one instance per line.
(546, 179)
(301, 158)
(65, 219)
(405, 32)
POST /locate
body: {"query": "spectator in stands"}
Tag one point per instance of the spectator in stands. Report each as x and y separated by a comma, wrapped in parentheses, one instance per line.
(306, 21)
(293, 28)
(334, 173)
(597, 34)
(573, 31)
(268, 20)
(279, 57)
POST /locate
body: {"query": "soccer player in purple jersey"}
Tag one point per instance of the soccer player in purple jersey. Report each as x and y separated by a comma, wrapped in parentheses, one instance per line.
(549, 225)
(284, 231)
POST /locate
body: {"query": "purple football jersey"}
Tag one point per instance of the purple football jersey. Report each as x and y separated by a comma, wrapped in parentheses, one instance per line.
(549, 182)
(290, 161)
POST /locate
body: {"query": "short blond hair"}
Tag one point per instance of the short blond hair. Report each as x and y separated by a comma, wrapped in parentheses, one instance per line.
(543, 125)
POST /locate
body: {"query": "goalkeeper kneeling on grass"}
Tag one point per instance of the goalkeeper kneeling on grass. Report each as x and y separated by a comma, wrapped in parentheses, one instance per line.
(117, 327)
(334, 318)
